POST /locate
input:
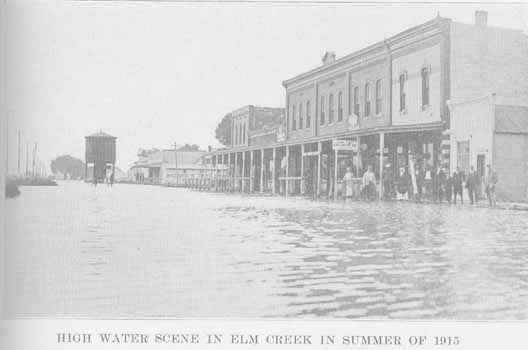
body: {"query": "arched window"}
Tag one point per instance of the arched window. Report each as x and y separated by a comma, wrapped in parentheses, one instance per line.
(378, 96)
(340, 106)
(300, 116)
(425, 87)
(293, 119)
(356, 101)
(308, 117)
(403, 78)
(331, 109)
(367, 99)
(322, 119)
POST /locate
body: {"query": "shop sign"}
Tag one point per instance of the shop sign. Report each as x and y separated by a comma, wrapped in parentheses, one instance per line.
(353, 122)
(344, 145)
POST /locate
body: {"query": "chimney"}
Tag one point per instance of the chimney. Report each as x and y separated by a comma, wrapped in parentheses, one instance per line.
(481, 18)
(329, 57)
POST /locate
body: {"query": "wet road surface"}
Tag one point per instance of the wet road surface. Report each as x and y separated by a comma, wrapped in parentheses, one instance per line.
(145, 251)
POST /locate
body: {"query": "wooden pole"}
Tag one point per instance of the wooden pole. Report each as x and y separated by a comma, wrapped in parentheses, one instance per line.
(274, 189)
(358, 165)
(27, 158)
(7, 145)
(302, 169)
(34, 158)
(18, 152)
(286, 181)
(235, 184)
(320, 150)
(251, 171)
(262, 170)
(335, 173)
(243, 185)
(381, 146)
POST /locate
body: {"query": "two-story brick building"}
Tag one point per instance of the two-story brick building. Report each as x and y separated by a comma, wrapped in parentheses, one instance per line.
(389, 101)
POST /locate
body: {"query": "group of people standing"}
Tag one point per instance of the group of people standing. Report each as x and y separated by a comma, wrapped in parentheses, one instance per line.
(432, 184)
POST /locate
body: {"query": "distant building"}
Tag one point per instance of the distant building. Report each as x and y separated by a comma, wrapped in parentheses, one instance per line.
(100, 156)
(253, 125)
(165, 166)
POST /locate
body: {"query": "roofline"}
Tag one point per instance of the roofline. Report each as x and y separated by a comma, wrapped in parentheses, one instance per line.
(380, 45)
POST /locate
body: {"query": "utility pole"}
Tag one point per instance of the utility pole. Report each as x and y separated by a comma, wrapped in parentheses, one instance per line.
(34, 159)
(7, 144)
(18, 152)
(27, 158)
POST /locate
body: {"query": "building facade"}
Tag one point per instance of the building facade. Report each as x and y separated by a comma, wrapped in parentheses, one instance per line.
(388, 102)
(168, 166)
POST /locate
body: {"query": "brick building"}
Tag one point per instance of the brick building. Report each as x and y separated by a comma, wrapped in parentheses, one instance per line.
(389, 101)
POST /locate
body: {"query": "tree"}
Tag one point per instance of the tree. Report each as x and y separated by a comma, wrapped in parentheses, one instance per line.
(223, 130)
(68, 165)
(189, 147)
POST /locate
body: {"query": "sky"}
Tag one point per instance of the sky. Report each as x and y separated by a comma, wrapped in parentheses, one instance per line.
(156, 73)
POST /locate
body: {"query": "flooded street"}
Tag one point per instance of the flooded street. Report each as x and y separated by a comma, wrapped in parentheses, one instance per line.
(145, 251)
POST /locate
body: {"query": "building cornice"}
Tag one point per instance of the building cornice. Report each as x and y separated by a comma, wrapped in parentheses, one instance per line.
(373, 52)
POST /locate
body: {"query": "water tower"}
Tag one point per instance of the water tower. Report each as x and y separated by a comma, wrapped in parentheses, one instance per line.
(100, 153)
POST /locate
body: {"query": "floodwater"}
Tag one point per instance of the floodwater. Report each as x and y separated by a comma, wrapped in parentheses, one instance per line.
(145, 251)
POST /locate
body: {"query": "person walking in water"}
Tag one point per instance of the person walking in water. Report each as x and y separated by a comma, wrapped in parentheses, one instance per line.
(369, 183)
(348, 180)
(471, 185)
(111, 183)
(457, 185)
(491, 183)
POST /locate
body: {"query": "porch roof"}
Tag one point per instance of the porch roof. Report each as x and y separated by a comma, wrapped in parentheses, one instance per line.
(390, 129)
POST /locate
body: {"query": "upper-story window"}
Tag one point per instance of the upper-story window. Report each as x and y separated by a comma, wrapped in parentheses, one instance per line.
(356, 101)
(403, 79)
(293, 119)
(340, 106)
(235, 139)
(378, 96)
(425, 86)
(322, 119)
(308, 116)
(300, 116)
(367, 99)
(243, 133)
(331, 109)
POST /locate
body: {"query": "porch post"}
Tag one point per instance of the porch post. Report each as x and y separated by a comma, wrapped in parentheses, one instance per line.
(262, 170)
(382, 146)
(243, 177)
(335, 173)
(251, 171)
(358, 154)
(302, 169)
(235, 173)
(273, 187)
(318, 187)
(286, 181)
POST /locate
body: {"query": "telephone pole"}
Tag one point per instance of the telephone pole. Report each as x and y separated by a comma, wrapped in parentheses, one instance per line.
(7, 144)
(18, 152)
(27, 158)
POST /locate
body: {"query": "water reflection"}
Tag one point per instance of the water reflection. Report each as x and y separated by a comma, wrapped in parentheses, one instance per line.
(147, 251)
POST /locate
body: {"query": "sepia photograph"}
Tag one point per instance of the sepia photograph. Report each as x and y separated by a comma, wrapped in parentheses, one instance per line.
(265, 160)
